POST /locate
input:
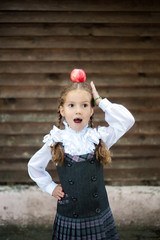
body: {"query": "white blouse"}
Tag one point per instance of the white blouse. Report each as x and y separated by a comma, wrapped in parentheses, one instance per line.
(120, 120)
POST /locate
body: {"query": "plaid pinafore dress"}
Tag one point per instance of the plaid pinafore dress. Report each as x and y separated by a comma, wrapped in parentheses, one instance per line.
(84, 212)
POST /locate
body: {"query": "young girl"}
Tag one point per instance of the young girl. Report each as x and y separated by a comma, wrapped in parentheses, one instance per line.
(79, 152)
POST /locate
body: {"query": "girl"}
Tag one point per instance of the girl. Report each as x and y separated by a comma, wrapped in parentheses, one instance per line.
(80, 151)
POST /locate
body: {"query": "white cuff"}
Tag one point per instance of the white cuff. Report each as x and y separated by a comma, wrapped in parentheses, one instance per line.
(50, 188)
(104, 103)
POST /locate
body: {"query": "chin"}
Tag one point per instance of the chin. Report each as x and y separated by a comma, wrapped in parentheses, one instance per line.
(78, 129)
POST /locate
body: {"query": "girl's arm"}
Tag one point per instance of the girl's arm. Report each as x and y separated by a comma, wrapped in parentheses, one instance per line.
(37, 172)
(120, 120)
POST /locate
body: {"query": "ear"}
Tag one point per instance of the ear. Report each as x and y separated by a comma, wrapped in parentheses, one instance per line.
(92, 111)
(61, 109)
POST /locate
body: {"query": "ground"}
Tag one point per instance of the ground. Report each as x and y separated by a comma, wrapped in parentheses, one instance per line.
(44, 233)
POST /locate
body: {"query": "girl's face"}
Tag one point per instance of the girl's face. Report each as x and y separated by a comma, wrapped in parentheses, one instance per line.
(77, 109)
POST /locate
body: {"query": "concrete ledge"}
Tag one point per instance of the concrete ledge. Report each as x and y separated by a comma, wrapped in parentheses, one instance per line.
(25, 205)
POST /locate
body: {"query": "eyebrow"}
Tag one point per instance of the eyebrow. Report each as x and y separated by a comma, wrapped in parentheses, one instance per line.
(80, 102)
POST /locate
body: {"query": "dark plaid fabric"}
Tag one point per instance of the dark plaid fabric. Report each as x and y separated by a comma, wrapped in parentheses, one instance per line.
(80, 158)
(93, 228)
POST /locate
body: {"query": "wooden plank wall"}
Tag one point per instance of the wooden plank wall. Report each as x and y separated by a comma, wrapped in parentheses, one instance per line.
(116, 42)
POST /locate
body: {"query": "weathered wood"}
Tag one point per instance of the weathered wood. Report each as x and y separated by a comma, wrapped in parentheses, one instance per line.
(146, 115)
(20, 153)
(29, 118)
(133, 182)
(20, 176)
(111, 176)
(116, 42)
(77, 29)
(115, 67)
(145, 127)
(25, 104)
(132, 174)
(35, 139)
(103, 5)
(121, 172)
(124, 152)
(139, 115)
(80, 17)
(61, 79)
(131, 163)
(140, 139)
(135, 151)
(30, 104)
(79, 55)
(49, 92)
(81, 42)
(23, 126)
(117, 163)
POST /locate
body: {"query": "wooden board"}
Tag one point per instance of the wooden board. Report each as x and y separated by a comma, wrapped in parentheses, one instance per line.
(79, 30)
(125, 152)
(81, 42)
(81, 16)
(116, 42)
(114, 67)
(129, 175)
(100, 79)
(49, 92)
(78, 55)
(34, 139)
(103, 5)
(74, 17)
(24, 126)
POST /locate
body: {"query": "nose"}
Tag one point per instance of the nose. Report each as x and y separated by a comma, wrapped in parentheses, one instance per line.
(78, 110)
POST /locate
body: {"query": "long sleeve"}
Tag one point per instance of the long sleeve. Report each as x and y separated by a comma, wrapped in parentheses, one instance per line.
(120, 120)
(37, 172)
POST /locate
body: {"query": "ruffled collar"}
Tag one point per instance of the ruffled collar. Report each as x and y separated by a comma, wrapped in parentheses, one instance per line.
(69, 137)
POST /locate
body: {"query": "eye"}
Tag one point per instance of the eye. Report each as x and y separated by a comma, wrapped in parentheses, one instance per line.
(85, 105)
(71, 105)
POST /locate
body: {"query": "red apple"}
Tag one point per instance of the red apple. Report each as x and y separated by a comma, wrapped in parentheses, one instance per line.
(78, 75)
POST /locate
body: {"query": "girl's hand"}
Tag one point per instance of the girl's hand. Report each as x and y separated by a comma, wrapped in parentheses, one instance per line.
(58, 192)
(95, 93)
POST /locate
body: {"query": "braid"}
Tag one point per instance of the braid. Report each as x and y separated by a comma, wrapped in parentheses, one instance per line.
(59, 122)
(91, 123)
(102, 154)
(57, 151)
(57, 154)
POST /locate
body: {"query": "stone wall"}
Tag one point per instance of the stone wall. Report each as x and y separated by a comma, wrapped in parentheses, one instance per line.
(24, 205)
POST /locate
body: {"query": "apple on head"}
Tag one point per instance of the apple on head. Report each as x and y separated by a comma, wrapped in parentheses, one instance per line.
(78, 75)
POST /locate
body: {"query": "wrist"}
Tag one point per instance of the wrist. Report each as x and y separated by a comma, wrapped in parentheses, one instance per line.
(97, 100)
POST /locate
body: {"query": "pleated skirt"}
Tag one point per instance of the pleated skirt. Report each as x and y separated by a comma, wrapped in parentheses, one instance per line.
(92, 228)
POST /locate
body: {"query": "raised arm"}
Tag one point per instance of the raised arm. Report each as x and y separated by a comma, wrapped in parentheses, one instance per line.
(120, 120)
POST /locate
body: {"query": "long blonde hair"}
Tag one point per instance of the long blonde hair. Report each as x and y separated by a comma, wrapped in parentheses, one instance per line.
(57, 151)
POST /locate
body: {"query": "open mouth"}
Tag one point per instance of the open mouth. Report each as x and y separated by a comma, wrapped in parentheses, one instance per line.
(77, 120)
